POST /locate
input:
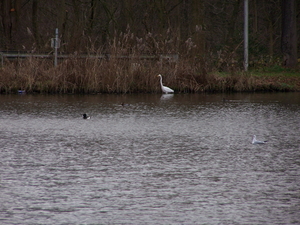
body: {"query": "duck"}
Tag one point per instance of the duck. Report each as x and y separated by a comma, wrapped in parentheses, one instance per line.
(124, 104)
(85, 116)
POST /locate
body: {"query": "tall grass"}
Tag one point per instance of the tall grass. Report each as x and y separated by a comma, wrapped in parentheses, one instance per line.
(191, 73)
(76, 75)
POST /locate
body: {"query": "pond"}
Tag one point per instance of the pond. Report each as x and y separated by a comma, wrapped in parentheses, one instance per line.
(150, 159)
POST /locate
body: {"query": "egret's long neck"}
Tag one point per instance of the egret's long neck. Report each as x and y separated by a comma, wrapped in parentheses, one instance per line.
(161, 84)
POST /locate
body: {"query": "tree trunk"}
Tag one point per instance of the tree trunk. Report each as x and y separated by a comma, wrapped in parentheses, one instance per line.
(232, 30)
(197, 24)
(289, 33)
(184, 20)
(61, 20)
(35, 27)
(6, 22)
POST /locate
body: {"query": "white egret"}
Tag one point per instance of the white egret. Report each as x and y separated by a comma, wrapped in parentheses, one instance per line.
(165, 89)
(254, 141)
(86, 117)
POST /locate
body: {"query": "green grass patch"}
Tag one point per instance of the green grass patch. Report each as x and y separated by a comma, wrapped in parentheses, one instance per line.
(276, 71)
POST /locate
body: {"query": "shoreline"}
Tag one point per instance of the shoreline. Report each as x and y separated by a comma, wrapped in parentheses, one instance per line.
(256, 85)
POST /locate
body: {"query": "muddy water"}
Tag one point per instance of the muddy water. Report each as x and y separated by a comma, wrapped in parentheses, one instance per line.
(170, 159)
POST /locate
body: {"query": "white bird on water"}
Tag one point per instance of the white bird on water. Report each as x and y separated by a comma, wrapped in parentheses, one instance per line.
(255, 141)
(164, 89)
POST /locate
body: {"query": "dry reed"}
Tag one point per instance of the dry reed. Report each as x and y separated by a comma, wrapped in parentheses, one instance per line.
(190, 73)
(75, 75)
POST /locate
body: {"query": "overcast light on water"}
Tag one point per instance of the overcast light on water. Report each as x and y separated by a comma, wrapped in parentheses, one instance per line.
(156, 159)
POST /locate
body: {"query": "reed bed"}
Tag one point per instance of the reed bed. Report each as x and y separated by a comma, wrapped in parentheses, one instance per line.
(190, 74)
(76, 75)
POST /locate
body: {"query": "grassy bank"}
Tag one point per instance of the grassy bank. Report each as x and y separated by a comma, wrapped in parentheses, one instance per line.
(76, 75)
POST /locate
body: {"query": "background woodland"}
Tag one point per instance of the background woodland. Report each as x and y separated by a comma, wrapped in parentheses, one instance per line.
(210, 28)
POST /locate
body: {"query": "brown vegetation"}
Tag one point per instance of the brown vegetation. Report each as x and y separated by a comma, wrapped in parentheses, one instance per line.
(205, 34)
(90, 75)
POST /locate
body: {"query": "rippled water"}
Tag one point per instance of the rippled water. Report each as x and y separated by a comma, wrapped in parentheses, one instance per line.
(182, 159)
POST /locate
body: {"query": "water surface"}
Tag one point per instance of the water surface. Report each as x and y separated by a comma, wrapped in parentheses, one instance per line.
(159, 159)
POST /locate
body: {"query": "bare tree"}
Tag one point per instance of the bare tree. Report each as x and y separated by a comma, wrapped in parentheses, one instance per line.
(10, 15)
(35, 23)
(289, 33)
(208, 26)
